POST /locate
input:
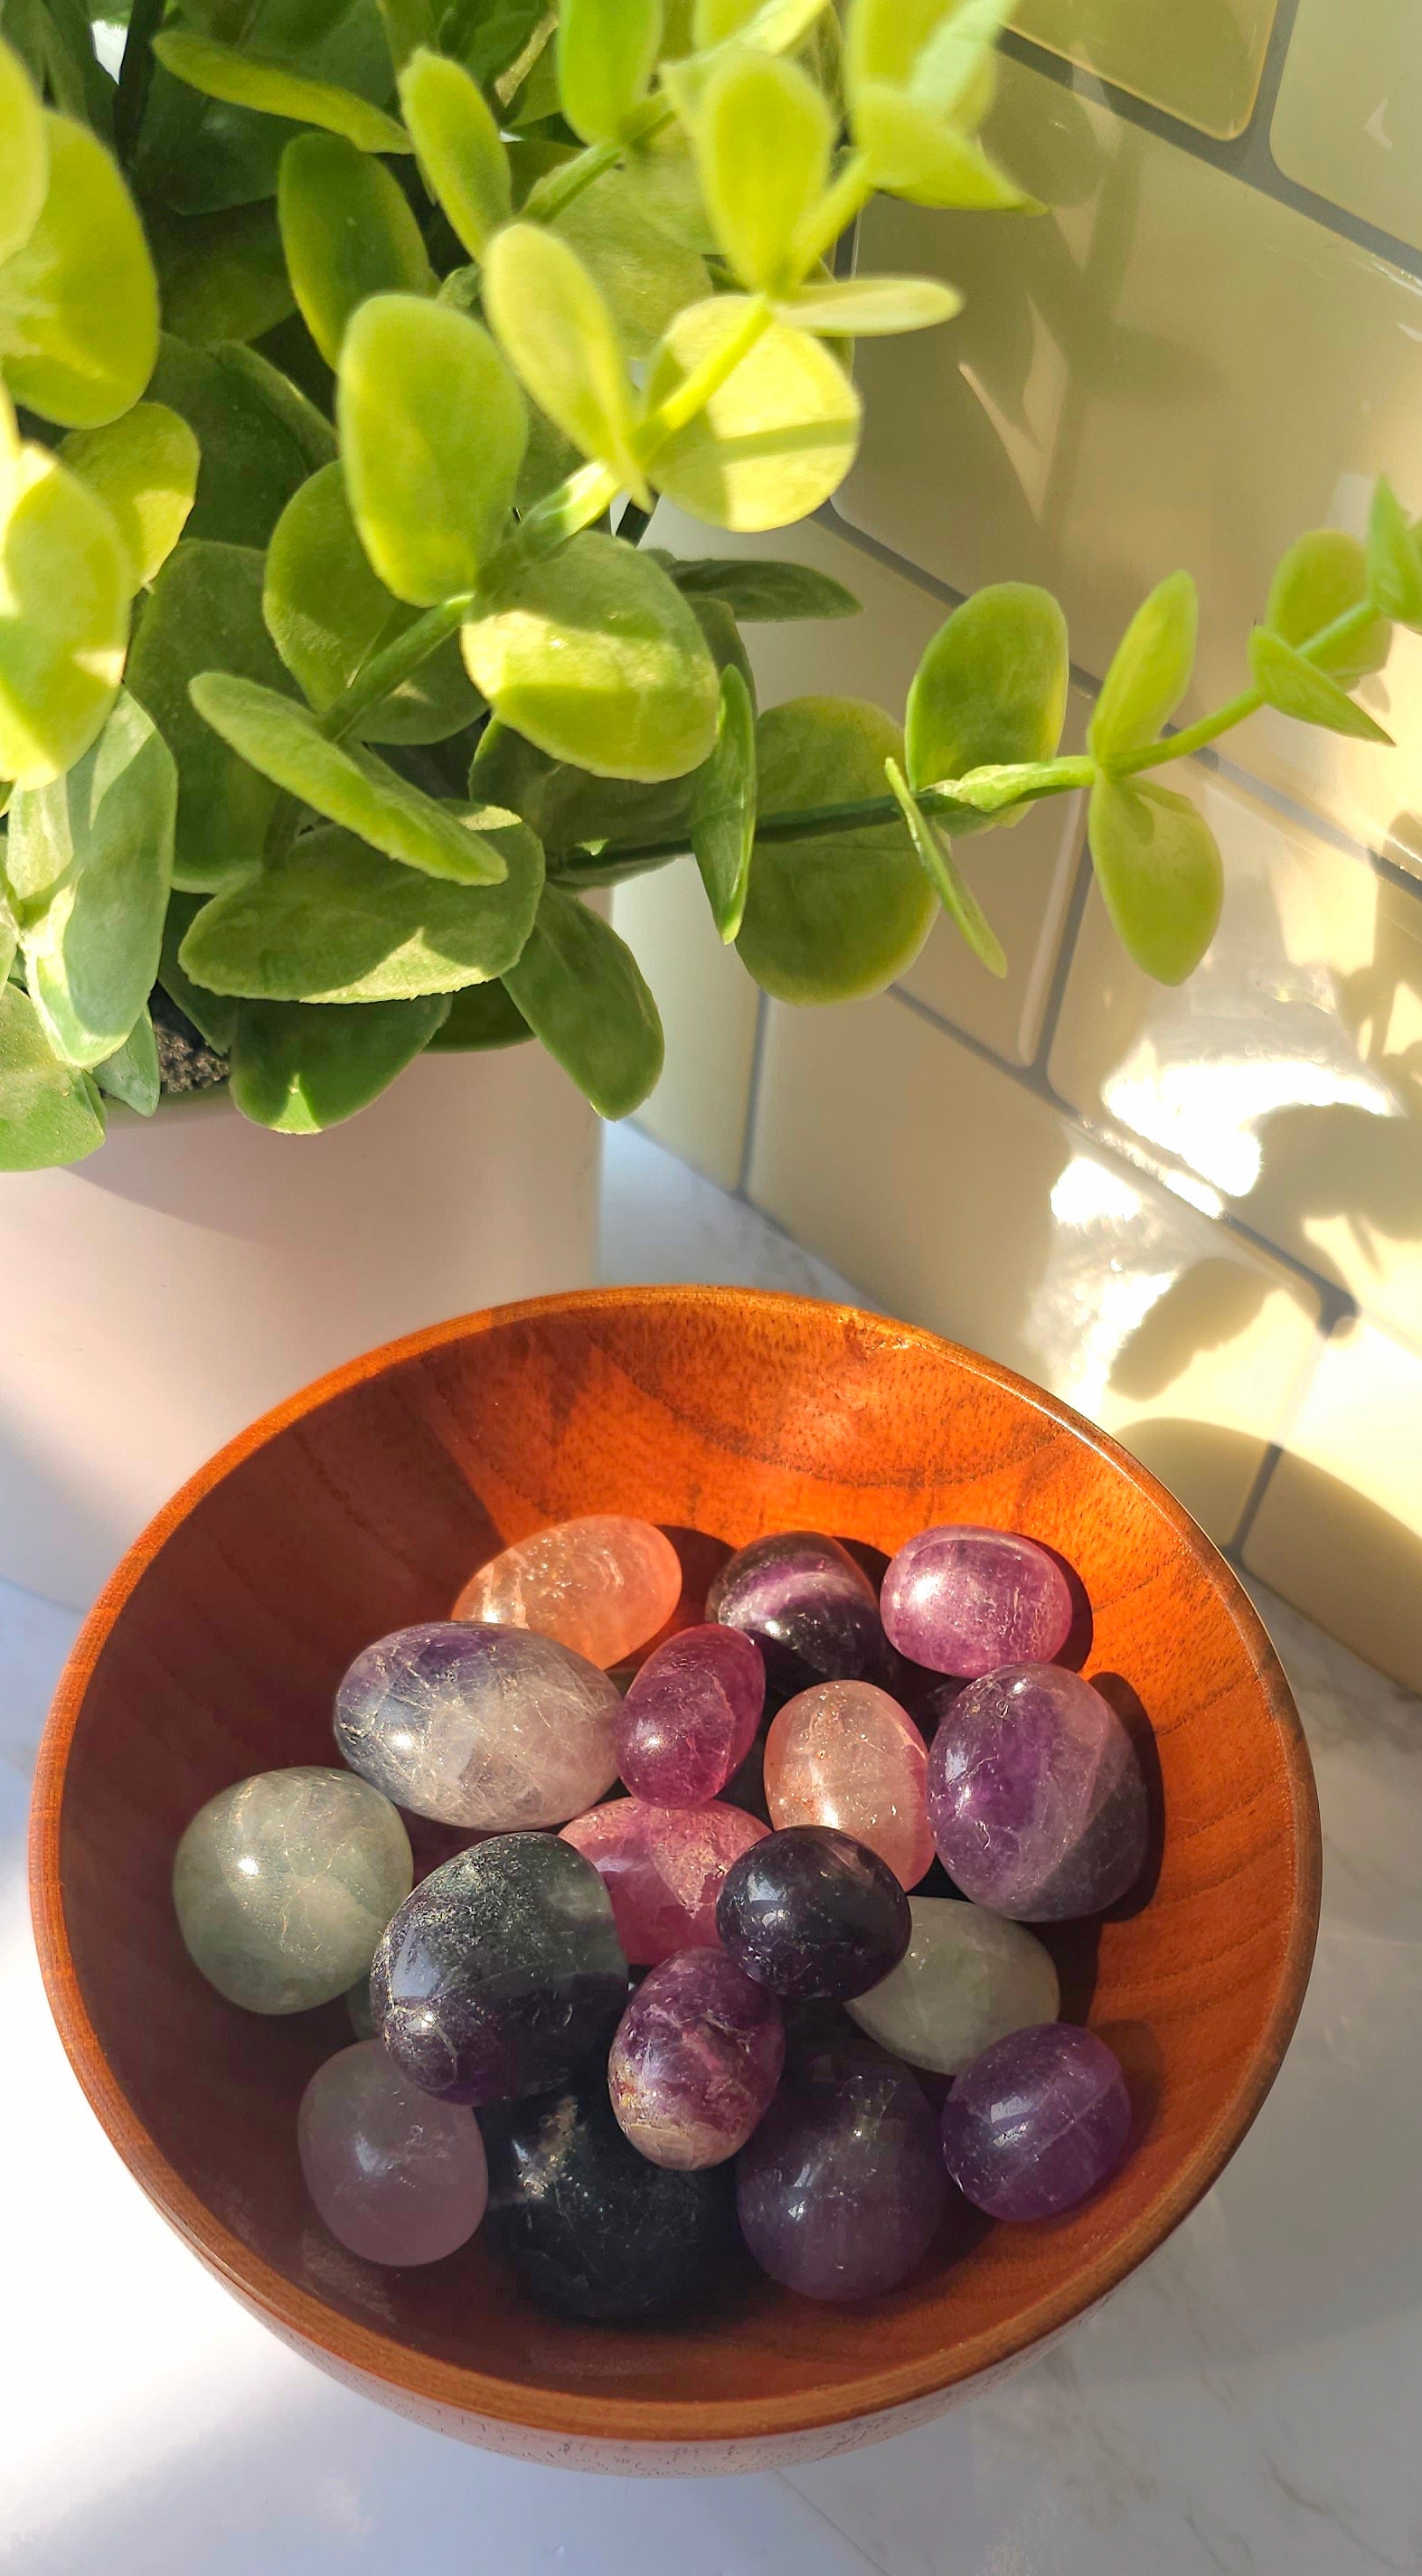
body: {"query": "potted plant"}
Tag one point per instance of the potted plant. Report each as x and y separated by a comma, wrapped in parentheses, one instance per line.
(348, 346)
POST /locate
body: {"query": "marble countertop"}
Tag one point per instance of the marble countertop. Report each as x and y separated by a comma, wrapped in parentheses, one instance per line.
(1246, 2403)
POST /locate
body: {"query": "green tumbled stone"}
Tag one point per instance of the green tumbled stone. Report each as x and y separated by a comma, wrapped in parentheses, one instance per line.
(284, 1883)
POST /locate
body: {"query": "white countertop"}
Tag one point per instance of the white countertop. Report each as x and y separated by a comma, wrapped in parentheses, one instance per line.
(1247, 2403)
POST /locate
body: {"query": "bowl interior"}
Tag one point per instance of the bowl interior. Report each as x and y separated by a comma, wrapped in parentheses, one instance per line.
(363, 1506)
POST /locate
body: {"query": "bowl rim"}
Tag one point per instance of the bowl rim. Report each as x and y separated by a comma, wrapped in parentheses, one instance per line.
(412, 2380)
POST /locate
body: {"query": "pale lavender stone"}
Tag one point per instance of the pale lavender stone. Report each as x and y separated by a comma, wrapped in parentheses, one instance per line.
(696, 2060)
(1036, 1797)
(397, 2176)
(841, 2190)
(809, 1607)
(965, 1601)
(1037, 2122)
(486, 1727)
(690, 1716)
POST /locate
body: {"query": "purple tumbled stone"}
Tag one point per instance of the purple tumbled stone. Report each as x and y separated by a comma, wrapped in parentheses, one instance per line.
(809, 1607)
(841, 2189)
(696, 2060)
(967, 1600)
(1037, 2122)
(1035, 1795)
(690, 1716)
(396, 2176)
(811, 1913)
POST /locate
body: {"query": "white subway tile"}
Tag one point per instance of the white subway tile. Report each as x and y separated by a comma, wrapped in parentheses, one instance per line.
(1348, 122)
(1199, 64)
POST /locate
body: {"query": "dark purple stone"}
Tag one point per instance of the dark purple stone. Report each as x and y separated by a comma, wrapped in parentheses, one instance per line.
(841, 2189)
(696, 2060)
(500, 1972)
(809, 1607)
(690, 1716)
(1037, 2122)
(811, 1912)
(1035, 1796)
(965, 1600)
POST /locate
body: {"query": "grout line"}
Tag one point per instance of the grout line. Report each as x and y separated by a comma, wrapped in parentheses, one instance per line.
(1073, 914)
(762, 1019)
(829, 2522)
(1236, 1546)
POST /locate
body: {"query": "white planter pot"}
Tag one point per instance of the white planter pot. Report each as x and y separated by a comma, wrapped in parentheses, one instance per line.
(197, 1269)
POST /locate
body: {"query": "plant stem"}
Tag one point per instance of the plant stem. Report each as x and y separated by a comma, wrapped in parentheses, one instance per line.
(695, 390)
(846, 195)
(575, 503)
(135, 73)
(384, 671)
(559, 188)
(802, 823)
(1178, 746)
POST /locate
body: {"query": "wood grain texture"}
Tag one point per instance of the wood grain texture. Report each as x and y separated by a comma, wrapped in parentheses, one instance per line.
(363, 1504)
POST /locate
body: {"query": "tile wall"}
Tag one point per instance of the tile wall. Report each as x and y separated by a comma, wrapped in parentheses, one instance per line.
(1196, 1215)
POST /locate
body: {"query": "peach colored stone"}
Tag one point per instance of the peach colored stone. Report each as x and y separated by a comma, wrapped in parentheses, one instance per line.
(844, 1754)
(602, 1585)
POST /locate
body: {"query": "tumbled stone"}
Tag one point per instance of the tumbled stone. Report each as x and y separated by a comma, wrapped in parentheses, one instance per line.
(841, 2189)
(397, 2176)
(591, 2228)
(808, 1606)
(501, 1972)
(1036, 1797)
(690, 1716)
(966, 1979)
(602, 1585)
(845, 1754)
(696, 2059)
(284, 1883)
(485, 1727)
(965, 1601)
(1037, 2123)
(663, 1868)
(810, 1912)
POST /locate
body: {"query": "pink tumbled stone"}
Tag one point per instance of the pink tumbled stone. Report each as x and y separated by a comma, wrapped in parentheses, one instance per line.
(696, 2060)
(398, 2176)
(965, 1601)
(603, 1586)
(690, 1716)
(844, 1754)
(663, 1868)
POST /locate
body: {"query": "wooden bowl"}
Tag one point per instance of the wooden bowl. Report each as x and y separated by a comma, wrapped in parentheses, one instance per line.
(362, 1505)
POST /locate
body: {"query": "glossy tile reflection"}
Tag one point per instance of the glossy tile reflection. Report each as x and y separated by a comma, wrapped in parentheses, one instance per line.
(1198, 59)
(1348, 122)
(1288, 1072)
(1168, 369)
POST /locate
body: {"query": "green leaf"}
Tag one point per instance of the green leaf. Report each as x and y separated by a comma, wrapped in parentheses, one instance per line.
(567, 807)
(763, 136)
(9, 931)
(912, 152)
(582, 993)
(131, 1074)
(723, 804)
(433, 429)
(213, 1015)
(1160, 875)
(776, 26)
(90, 863)
(460, 152)
(327, 612)
(1322, 576)
(348, 786)
(304, 1066)
(884, 38)
(308, 429)
(1298, 688)
(758, 590)
(144, 468)
(1150, 673)
(24, 153)
(1002, 788)
(864, 307)
(553, 323)
(79, 299)
(245, 80)
(347, 233)
(646, 274)
(49, 1112)
(607, 53)
(991, 687)
(338, 923)
(953, 892)
(221, 276)
(597, 658)
(205, 613)
(774, 441)
(64, 602)
(483, 1015)
(832, 918)
(1394, 562)
(250, 463)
